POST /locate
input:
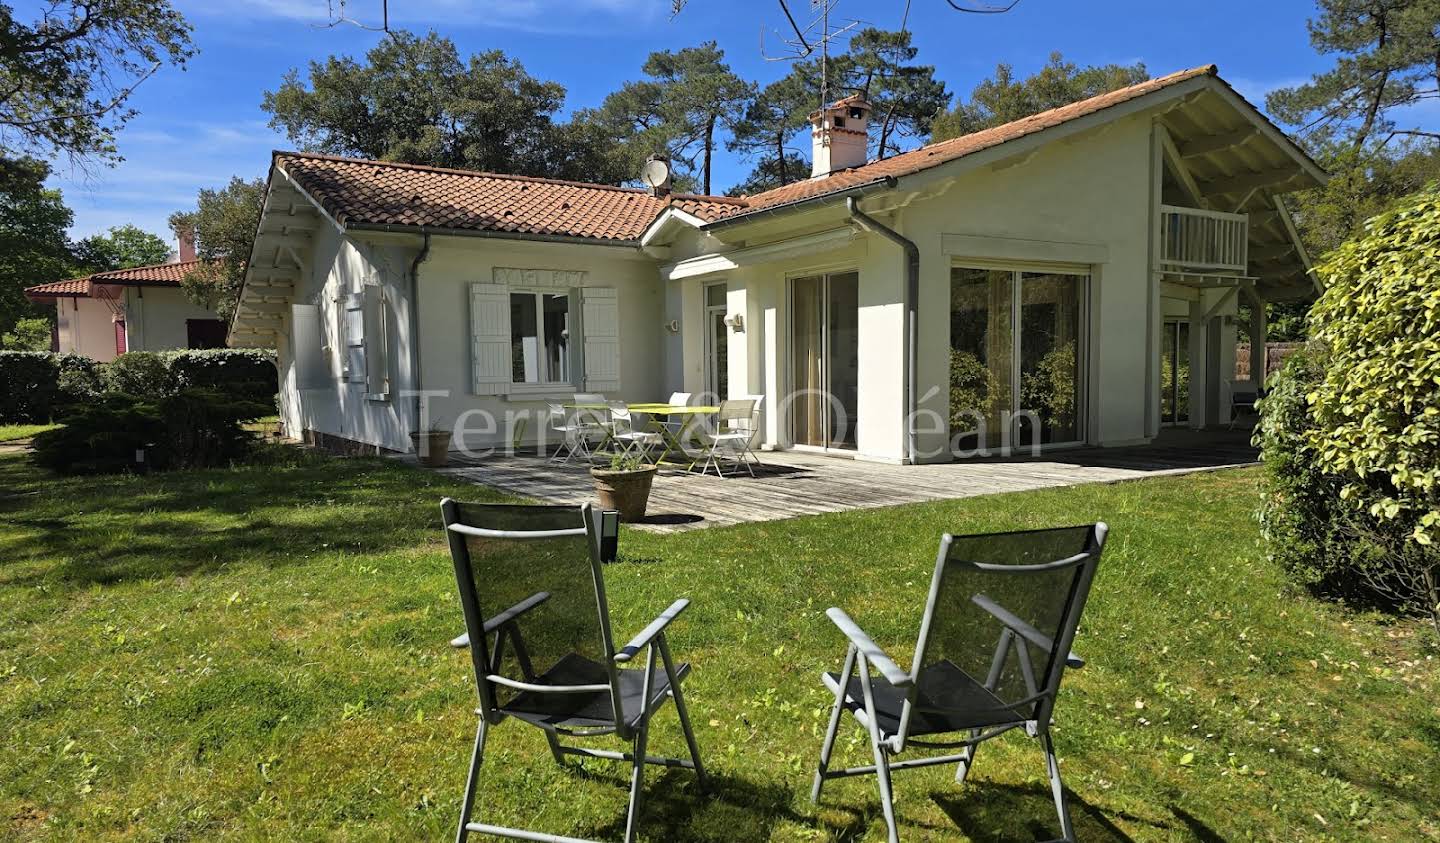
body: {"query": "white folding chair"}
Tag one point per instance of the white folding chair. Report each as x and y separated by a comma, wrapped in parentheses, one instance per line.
(735, 427)
(624, 433)
(574, 437)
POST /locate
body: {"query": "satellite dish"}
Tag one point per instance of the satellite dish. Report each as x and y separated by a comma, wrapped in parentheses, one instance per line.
(656, 174)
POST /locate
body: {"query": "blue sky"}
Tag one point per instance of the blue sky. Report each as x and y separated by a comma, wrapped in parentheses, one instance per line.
(200, 126)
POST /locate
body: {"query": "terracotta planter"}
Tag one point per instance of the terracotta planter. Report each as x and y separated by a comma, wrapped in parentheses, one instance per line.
(626, 492)
(432, 447)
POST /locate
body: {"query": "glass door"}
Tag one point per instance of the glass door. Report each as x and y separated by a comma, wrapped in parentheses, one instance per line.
(717, 344)
(1016, 359)
(825, 360)
(1175, 373)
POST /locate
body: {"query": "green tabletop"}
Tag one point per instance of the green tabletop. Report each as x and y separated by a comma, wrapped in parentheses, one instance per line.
(653, 408)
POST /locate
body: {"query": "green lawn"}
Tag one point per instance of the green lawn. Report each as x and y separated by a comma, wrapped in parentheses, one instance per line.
(261, 653)
(9, 432)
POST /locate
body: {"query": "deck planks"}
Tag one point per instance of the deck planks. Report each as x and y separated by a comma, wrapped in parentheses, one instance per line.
(795, 483)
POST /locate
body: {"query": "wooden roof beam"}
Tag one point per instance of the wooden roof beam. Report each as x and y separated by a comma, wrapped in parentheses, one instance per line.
(1245, 182)
(1209, 144)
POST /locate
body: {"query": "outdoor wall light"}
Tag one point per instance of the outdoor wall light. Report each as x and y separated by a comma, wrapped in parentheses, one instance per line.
(673, 326)
(736, 323)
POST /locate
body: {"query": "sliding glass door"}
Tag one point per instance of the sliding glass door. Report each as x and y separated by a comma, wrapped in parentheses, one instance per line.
(825, 360)
(1016, 359)
(1175, 373)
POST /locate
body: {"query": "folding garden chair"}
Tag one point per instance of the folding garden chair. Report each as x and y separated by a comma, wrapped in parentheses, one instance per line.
(735, 427)
(994, 644)
(538, 630)
(629, 438)
(574, 436)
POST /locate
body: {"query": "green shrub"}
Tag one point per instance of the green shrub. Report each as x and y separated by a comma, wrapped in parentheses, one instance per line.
(194, 428)
(1351, 434)
(27, 386)
(78, 381)
(241, 372)
(141, 373)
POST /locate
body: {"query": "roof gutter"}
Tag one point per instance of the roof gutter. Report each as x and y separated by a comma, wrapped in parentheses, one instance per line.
(787, 208)
(912, 296)
(428, 230)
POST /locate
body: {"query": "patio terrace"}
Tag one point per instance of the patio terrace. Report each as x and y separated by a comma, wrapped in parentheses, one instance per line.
(794, 483)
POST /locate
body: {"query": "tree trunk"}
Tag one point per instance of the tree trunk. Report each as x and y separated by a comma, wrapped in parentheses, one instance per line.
(885, 127)
(709, 149)
(780, 157)
(1374, 109)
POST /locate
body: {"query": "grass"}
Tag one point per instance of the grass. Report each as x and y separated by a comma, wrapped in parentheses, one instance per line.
(10, 432)
(260, 653)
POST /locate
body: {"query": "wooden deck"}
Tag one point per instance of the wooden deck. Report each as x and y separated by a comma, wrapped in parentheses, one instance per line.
(793, 483)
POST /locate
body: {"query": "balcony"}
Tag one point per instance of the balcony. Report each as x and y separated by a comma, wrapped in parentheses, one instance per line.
(1203, 242)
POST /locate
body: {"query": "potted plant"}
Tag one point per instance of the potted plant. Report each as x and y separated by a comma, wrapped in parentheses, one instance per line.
(624, 485)
(432, 446)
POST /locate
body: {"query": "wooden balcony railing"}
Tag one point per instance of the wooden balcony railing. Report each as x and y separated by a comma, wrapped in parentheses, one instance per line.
(1197, 240)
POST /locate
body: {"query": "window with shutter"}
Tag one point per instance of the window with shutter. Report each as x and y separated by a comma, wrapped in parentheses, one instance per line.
(490, 339)
(352, 338)
(376, 342)
(600, 324)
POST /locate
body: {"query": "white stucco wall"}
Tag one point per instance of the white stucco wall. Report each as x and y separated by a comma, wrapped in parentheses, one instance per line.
(155, 318)
(338, 266)
(1082, 201)
(86, 327)
(455, 263)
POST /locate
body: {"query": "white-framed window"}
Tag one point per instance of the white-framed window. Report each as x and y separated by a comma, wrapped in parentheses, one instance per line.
(529, 340)
(540, 327)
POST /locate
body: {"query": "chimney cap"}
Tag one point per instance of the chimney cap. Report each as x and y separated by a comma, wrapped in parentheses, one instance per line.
(842, 104)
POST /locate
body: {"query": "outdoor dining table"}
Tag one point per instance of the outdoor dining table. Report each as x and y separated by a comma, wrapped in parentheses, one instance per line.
(652, 410)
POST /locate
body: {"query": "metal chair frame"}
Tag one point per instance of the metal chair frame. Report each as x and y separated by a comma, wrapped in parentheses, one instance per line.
(736, 424)
(1016, 636)
(492, 635)
(627, 436)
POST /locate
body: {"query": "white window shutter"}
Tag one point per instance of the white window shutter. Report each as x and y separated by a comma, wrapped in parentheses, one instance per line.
(600, 322)
(306, 348)
(490, 338)
(352, 347)
(377, 340)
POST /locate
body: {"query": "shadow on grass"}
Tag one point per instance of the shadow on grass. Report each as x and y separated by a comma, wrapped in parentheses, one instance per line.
(994, 811)
(281, 512)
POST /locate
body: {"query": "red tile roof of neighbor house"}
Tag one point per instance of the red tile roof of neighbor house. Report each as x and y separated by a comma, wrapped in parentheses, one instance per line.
(156, 275)
(380, 193)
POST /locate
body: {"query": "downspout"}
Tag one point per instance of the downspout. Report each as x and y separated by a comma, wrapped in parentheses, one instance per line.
(415, 322)
(912, 296)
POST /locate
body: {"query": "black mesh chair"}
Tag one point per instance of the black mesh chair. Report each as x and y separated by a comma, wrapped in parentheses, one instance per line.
(538, 630)
(994, 643)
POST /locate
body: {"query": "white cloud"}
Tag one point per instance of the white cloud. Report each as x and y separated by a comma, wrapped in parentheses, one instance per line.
(574, 16)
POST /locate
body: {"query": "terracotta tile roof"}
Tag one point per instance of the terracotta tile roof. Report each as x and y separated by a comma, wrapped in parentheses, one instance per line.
(160, 274)
(157, 275)
(73, 287)
(366, 193)
(369, 193)
(907, 163)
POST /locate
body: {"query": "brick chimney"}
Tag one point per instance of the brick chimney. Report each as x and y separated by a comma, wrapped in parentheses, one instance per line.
(839, 136)
(186, 236)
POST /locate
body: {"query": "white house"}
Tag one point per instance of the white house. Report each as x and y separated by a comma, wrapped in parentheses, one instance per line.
(1069, 278)
(104, 315)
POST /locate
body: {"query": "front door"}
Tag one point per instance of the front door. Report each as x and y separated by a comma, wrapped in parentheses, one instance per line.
(825, 360)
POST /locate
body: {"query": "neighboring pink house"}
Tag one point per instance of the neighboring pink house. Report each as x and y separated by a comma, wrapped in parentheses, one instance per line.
(140, 309)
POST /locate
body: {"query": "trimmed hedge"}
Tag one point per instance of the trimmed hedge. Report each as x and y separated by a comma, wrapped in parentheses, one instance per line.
(36, 387)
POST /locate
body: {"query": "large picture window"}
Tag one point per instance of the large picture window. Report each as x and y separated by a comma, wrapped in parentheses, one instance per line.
(539, 337)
